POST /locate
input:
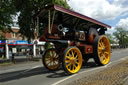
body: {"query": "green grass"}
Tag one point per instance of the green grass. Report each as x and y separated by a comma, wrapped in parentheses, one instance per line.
(6, 63)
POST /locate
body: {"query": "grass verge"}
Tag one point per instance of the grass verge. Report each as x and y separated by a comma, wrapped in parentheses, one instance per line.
(5, 63)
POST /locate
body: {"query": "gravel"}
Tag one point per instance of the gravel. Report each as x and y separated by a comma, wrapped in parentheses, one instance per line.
(113, 75)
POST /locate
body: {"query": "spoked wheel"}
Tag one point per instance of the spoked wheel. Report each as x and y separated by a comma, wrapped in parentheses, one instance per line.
(72, 60)
(51, 59)
(102, 50)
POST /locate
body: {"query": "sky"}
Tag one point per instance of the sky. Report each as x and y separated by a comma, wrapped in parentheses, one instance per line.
(111, 12)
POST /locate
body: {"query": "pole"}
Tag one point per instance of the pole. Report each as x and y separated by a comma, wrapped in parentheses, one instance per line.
(6, 49)
(49, 20)
(34, 49)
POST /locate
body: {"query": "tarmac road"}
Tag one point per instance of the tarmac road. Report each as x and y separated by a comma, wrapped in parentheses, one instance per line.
(34, 73)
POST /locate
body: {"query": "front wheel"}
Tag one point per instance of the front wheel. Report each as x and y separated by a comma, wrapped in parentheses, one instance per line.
(72, 60)
(102, 50)
(51, 59)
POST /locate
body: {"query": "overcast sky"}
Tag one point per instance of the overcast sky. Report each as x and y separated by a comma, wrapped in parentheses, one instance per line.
(111, 12)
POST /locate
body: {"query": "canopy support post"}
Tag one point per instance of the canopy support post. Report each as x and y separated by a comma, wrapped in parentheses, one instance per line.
(53, 19)
(49, 20)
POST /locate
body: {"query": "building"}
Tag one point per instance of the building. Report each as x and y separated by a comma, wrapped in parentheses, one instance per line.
(12, 35)
(13, 43)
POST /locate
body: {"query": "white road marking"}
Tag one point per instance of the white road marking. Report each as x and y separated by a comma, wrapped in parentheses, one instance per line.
(56, 83)
(107, 64)
(64, 79)
(124, 58)
(60, 81)
(121, 59)
(31, 68)
(36, 66)
(125, 78)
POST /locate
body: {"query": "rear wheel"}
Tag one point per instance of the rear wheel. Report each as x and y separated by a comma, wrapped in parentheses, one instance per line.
(72, 60)
(102, 50)
(51, 59)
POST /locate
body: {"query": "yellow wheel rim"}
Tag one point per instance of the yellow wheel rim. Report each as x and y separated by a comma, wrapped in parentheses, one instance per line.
(104, 50)
(73, 60)
(51, 59)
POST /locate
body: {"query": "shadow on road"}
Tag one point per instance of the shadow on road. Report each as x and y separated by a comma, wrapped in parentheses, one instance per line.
(39, 71)
(90, 65)
(22, 74)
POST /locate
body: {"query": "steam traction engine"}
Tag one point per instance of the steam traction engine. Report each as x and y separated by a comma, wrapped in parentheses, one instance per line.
(76, 38)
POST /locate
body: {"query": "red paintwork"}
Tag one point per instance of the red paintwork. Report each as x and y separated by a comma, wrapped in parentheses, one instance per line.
(71, 43)
(88, 49)
(70, 12)
(53, 37)
(42, 38)
(91, 38)
(19, 44)
(54, 31)
(73, 13)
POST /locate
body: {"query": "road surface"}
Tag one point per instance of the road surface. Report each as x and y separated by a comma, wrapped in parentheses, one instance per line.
(36, 74)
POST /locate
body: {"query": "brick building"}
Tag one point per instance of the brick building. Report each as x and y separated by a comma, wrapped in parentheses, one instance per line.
(12, 35)
(14, 42)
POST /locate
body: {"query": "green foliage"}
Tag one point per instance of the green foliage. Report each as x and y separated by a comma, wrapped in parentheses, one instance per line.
(27, 9)
(109, 36)
(121, 35)
(7, 10)
(62, 3)
(2, 37)
(47, 46)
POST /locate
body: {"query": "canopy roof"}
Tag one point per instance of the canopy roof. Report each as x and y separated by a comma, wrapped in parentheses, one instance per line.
(69, 17)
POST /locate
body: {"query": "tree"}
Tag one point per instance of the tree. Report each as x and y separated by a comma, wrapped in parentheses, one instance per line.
(2, 37)
(7, 10)
(121, 35)
(111, 39)
(27, 9)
